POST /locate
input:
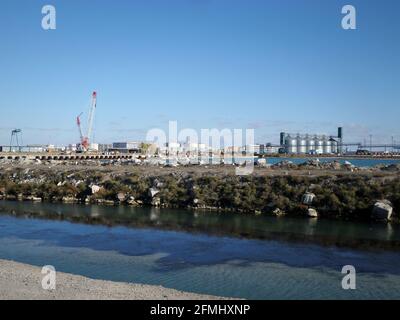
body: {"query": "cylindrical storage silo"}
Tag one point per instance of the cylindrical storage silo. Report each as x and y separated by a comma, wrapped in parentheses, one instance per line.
(319, 145)
(327, 146)
(301, 145)
(291, 144)
(310, 145)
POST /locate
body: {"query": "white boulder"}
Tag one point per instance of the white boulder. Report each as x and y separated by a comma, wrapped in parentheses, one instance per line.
(382, 210)
(312, 213)
(95, 189)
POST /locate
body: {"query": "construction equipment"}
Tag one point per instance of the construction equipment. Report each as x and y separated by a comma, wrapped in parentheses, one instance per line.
(14, 136)
(84, 144)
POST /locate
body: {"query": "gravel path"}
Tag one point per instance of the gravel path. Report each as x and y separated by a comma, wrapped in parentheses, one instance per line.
(23, 282)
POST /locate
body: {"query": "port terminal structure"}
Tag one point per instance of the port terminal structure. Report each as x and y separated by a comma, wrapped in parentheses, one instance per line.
(123, 156)
(63, 157)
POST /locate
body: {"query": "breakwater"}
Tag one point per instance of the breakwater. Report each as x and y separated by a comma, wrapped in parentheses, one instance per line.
(344, 195)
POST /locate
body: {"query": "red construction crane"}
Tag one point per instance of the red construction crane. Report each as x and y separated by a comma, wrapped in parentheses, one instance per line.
(85, 140)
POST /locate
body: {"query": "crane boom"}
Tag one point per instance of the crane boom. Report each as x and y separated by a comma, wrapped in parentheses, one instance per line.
(84, 140)
(78, 122)
(91, 114)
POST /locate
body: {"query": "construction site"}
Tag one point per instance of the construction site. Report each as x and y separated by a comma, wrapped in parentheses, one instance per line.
(85, 149)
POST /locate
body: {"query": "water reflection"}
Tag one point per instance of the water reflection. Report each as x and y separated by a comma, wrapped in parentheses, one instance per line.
(323, 232)
(195, 260)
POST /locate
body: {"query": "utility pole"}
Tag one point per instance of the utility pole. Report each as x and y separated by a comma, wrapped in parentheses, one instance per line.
(370, 142)
(392, 144)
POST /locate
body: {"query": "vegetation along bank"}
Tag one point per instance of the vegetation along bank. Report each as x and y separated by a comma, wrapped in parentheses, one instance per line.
(354, 195)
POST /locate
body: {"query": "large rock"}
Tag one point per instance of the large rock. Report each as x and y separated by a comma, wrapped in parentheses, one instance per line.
(278, 212)
(95, 189)
(308, 198)
(69, 200)
(132, 201)
(261, 162)
(121, 196)
(335, 165)
(156, 202)
(382, 210)
(34, 199)
(153, 192)
(349, 166)
(313, 163)
(312, 213)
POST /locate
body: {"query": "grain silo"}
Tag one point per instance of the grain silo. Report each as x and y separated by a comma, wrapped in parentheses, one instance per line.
(301, 144)
(310, 143)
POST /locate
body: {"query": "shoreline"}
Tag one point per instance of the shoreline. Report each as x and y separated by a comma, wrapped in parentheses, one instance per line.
(19, 281)
(333, 156)
(107, 203)
(333, 190)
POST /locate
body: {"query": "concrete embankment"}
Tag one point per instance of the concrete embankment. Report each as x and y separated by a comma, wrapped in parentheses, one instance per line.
(23, 282)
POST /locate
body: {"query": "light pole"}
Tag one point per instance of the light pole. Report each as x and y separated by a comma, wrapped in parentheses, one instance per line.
(392, 144)
(370, 142)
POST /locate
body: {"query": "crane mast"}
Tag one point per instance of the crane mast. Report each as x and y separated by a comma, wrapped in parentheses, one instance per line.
(85, 139)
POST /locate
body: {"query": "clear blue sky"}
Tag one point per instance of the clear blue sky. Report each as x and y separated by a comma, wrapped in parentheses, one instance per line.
(274, 65)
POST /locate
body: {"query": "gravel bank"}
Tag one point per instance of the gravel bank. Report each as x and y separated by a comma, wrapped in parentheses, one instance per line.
(23, 282)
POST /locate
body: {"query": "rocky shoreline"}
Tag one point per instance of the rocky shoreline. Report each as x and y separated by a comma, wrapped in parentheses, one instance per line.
(312, 190)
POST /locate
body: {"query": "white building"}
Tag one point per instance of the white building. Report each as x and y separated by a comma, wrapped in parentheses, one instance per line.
(253, 148)
(126, 147)
(194, 147)
(268, 149)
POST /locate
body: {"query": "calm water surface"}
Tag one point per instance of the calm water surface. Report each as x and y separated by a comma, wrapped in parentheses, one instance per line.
(359, 162)
(223, 254)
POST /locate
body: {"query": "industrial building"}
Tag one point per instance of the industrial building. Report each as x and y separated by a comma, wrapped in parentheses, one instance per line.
(269, 149)
(311, 143)
(126, 147)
